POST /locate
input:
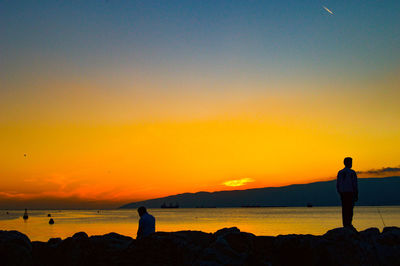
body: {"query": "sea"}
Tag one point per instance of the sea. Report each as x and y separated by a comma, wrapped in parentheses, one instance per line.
(267, 221)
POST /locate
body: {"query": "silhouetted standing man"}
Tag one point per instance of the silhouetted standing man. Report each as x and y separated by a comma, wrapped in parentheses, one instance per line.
(348, 189)
(147, 223)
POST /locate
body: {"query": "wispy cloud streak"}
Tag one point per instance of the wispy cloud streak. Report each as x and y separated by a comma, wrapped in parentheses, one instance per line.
(382, 171)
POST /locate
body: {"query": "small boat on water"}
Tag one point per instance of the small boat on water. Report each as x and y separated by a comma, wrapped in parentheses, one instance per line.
(309, 205)
(25, 217)
(170, 206)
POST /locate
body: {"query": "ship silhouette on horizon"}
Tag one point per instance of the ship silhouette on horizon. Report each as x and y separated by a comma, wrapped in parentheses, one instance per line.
(169, 206)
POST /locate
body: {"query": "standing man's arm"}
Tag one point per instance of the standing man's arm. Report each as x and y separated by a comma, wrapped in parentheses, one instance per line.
(355, 186)
(140, 229)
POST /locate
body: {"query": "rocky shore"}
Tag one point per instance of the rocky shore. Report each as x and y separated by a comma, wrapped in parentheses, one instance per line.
(227, 246)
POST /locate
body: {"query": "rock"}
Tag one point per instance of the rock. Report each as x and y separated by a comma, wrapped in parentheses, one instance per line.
(54, 241)
(388, 246)
(80, 236)
(159, 248)
(224, 231)
(111, 242)
(296, 250)
(15, 248)
(390, 236)
(370, 234)
(263, 250)
(227, 246)
(43, 252)
(240, 242)
(391, 232)
(341, 246)
(341, 234)
(73, 250)
(196, 238)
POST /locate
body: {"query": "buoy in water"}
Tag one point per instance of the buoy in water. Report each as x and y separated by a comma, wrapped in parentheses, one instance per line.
(51, 221)
(49, 215)
(25, 215)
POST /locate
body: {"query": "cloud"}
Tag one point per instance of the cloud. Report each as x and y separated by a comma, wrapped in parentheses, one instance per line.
(63, 191)
(382, 171)
(238, 182)
(51, 202)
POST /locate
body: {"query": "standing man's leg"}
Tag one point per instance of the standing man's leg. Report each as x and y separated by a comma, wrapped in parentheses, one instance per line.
(351, 207)
(347, 208)
(342, 198)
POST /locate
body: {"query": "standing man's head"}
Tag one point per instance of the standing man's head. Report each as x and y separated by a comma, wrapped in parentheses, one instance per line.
(348, 162)
(141, 210)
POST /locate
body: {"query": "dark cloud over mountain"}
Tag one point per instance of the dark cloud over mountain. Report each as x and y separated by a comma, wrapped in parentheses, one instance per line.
(383, 170)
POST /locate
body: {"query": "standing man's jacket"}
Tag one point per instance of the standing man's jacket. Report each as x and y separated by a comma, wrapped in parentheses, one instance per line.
(347, 181)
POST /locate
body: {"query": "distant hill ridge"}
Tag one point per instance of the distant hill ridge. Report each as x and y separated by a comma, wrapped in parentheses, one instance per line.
(373, 191)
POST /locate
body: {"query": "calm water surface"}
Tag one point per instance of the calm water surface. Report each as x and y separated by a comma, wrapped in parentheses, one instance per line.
(259, 221)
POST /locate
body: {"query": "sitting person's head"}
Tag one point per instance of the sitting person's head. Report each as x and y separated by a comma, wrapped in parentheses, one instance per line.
(141, 210)
(348, 162)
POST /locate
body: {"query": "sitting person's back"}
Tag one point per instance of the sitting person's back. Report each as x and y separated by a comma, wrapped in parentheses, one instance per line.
(147, 223)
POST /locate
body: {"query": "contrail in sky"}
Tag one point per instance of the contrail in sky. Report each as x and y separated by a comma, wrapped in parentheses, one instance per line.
(327, 9)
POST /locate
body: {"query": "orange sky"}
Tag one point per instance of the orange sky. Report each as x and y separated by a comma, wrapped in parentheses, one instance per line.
(118, 102)
(271, 140)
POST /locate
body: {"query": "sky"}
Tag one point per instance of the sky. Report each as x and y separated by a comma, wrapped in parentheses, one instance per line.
(108, 102)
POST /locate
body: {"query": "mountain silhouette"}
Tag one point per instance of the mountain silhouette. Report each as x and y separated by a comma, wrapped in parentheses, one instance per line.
(372, 192)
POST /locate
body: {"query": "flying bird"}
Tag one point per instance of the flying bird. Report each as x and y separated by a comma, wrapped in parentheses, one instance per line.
(327, 9)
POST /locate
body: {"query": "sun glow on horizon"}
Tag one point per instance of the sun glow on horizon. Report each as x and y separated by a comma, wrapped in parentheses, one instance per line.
(238, 182)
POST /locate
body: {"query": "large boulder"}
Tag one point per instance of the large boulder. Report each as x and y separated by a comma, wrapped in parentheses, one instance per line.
(296, 250)
(73, 250)
(342, 247)
(263, 250)
(159, 248)
(225, 231)
(15, 248)
(388, 246)
(82, 250)
(229, 246)
(342, 234)
(370, 235)
(111, 242)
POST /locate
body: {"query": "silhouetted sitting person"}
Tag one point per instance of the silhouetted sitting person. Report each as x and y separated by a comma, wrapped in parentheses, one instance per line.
(348, 189)
(147, 223)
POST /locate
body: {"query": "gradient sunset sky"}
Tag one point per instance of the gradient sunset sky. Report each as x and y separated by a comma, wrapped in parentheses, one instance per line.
(108, 102)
